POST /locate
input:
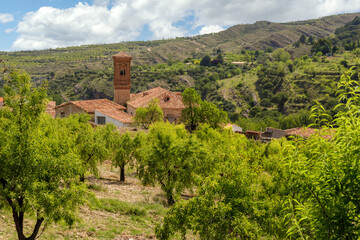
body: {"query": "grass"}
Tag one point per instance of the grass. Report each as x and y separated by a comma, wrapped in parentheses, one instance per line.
(115, 211)
(96, 187)
(126, 208)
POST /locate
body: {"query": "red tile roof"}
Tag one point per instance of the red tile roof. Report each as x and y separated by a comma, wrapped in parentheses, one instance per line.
(89, 106)
(117, 115)
(307, 132)
(167, 99)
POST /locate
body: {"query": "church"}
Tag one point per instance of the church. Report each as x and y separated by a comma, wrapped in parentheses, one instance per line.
(121, 111)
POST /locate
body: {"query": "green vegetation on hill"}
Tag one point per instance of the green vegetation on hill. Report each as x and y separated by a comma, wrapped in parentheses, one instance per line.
(242, 74)
(348, 35)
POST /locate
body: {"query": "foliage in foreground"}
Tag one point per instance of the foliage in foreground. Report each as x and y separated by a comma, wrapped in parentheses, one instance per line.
(123, 149)
(300, 189)
(39, 163)
(145, 116)
(172, 158)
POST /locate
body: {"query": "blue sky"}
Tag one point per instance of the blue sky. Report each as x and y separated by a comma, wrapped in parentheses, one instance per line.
(42, 24)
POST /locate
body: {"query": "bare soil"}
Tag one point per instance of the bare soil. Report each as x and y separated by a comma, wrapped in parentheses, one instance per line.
(98, 223)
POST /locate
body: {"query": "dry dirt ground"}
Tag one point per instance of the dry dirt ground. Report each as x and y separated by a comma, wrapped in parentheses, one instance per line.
(122, 211)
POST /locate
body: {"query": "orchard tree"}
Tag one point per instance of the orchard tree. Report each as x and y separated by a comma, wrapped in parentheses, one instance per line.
(322, 45)
(357, 52)
(90, 142)
(212, 115)
(233, 202)
(171, 158)
(198, 112)
(145, 116)
(124, 149)
(326, 173)
(39, 163)
(190, 114)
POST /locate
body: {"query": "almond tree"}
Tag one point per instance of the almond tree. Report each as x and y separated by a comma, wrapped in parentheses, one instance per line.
(171, 157)
(124, 149)
(39, 166)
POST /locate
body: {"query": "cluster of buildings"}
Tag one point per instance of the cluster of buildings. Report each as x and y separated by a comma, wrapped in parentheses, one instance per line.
(123, 109)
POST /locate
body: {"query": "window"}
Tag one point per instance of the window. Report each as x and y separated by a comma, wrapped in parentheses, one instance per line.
(62, 114)
(101, 120)
(166, 99)
(122, 72)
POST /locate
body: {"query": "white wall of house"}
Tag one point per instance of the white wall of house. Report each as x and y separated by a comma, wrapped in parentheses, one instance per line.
(108, 119)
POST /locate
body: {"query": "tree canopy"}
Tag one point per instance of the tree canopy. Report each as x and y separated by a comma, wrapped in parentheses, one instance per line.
(297, 189)
(145, 116)
(171, 158)
(40, 166)
(198, 112)
(124, 149)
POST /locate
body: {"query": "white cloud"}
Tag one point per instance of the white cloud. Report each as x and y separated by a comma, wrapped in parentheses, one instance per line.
(49, 27)
(118, 20)
(6, 17)
(211, 29)
(9, 30)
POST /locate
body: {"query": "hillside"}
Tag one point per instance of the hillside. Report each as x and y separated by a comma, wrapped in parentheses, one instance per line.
(86, 72)
(259, 35)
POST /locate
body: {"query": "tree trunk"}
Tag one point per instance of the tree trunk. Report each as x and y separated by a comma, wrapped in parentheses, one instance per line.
(19, 224)
(82, 178)
(170, 199)
(19, 220)
(122, 172)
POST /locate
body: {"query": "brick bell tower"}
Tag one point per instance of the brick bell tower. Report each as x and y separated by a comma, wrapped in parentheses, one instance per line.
(122, 80)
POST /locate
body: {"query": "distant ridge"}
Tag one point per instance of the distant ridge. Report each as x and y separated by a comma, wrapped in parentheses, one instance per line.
(259, 35)
(86, 72)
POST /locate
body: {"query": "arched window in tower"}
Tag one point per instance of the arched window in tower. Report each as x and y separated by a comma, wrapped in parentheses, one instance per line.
(122, 72)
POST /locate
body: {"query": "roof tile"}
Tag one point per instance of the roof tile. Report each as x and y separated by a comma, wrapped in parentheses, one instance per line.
(307, 132)
(90, 106)
(117, 115)
(167, 99)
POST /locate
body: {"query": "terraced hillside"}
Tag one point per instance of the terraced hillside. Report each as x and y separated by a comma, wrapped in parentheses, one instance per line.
(86, 72)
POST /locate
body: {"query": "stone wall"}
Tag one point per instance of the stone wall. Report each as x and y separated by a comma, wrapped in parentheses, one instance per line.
(66, 110)
(121, 96)
(172, 115)
(131, 110)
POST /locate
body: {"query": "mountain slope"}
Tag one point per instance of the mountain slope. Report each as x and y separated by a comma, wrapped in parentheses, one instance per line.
(85, 72)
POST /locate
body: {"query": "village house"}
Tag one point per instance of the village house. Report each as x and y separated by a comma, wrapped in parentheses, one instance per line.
(271, 132)
(123, 109)
(87, 106)
(118, 118)
(170, 102)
